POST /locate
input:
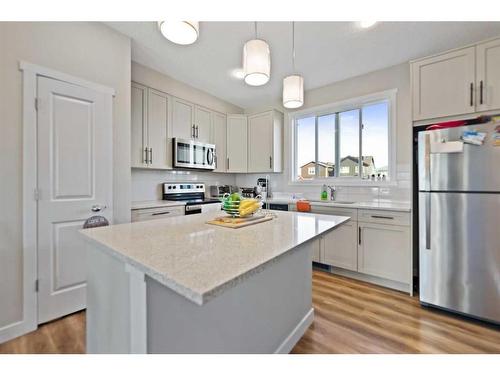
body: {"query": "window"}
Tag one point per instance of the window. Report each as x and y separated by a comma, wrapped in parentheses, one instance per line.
(349, 140)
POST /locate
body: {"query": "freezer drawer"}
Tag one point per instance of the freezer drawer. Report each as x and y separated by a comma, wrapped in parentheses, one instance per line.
(460, 252)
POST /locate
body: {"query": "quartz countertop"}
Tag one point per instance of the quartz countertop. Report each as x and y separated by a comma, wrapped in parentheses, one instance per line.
(374, 205)
(139, 205)
(198, 260)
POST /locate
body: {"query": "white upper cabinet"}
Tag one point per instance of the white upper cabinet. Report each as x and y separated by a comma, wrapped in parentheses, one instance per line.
(444, 85)
(219, 137)
(158, 130)
(265, 142)
(488, 75)
(139, 128)
(236, 159)
(182, 119)
(149, 128)
(202, 124)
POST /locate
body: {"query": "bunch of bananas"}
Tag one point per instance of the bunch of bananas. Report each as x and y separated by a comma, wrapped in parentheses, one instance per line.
(248, 207)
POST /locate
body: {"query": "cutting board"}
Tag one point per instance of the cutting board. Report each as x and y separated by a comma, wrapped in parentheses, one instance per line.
(238, 222)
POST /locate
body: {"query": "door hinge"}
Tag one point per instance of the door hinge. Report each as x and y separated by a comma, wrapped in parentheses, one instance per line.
(36, 194)
(36, 285)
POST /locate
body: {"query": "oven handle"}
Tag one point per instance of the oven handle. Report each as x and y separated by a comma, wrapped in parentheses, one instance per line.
(210, 156)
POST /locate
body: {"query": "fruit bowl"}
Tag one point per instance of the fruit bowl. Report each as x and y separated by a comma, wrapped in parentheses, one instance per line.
(236, 206)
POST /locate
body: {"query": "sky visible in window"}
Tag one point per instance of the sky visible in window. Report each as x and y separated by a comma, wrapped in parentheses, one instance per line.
(375, 136)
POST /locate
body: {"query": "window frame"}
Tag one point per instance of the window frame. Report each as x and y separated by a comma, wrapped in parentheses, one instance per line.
(345, 105)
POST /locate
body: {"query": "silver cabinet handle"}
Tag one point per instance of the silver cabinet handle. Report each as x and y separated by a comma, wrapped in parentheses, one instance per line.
(146, 155)
(228, 163)
(427, 221)
(359, 235)
(192, 131)
(382, 217)
(481, 92)
(97, 208)
(197, 131)
(160, 213)
(150, 155)
(270, 162)
(471, 94)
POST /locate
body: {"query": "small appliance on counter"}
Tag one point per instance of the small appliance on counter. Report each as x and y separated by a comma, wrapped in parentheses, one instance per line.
(193, 194)
(218, 191)
(248, 192)
(264, 187)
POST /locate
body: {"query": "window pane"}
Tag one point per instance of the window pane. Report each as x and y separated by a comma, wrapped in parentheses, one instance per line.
(306, 148)
(326, 145)
(375, 140)
(349, 143)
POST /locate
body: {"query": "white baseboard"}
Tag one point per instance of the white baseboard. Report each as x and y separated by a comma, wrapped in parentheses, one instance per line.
(15, 330)
(294, 337)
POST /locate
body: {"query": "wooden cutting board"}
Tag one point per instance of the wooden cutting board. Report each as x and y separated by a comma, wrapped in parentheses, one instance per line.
(238, 222)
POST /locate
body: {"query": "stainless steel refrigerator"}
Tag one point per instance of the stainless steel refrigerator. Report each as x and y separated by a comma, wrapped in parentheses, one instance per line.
(459, 222)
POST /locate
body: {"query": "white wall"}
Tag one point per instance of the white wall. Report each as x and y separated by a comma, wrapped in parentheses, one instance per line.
(91, 51)
(396, 77)
(146, 184)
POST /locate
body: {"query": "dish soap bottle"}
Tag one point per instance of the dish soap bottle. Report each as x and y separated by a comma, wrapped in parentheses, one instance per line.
(324, 193)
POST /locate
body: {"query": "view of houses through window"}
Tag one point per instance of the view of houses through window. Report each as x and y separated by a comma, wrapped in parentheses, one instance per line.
(355, 140)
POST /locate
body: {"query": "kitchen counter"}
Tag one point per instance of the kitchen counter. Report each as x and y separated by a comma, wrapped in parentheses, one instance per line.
(179, 285)
(381, 205)
(139, 205)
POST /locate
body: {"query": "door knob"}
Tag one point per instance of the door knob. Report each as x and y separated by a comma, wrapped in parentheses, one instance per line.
(97, 208)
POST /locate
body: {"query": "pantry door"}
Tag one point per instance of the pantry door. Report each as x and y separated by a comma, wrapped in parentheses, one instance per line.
(74, 140)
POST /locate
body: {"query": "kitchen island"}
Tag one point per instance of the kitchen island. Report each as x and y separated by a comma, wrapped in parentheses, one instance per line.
(179, 285)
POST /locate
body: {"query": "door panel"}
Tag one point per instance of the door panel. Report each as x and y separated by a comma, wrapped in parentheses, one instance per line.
(260, 142)
(203, 123)
(237, 143)
(219, 130)
(442, 85)
(182, 119)
(139, 135)
(339, 247)
(158, 129)
(470, 170)
(74, 173)
(488, 74)
(461, 269)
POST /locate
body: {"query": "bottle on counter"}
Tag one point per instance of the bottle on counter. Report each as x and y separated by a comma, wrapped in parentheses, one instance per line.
(324, 193)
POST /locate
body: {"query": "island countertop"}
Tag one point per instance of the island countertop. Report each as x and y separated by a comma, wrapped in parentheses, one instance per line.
(200, 261)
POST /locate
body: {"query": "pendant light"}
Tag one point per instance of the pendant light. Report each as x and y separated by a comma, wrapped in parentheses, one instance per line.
(256, 61)
(293, 85)
(180, 32)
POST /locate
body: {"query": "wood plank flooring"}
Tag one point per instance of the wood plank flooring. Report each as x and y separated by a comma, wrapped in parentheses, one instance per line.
(350, 317)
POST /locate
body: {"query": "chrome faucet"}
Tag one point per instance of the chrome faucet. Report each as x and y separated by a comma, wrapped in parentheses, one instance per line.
(333, 189)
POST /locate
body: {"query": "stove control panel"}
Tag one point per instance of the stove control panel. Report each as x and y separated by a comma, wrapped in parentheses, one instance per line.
(188, 187)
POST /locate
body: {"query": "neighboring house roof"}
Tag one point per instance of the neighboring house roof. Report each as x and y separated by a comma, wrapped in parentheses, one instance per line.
(326, 165)
(367, 161)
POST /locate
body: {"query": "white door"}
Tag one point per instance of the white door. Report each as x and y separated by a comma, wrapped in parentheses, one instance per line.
(236, 143)
(203, 124)
(139, 128)
(158, 129)
(219, 130)
(339, 247)
(260, 142)
(444, 85)
(74, 174)
(488, 75)
(182, 119)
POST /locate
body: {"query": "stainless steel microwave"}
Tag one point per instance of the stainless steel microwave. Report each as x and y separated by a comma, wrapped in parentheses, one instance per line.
(192, 154)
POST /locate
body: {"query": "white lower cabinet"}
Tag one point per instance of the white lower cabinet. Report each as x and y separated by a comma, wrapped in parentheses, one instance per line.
(338, 247)
(383, 251)
(316, 255)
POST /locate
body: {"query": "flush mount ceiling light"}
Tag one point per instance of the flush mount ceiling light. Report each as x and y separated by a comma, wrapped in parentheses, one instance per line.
(293, 85)
(180, 32)
(367, 24)
(256, 61)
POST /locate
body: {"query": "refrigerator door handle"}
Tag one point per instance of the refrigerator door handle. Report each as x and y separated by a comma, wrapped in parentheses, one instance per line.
(427, 221)
(427, 162)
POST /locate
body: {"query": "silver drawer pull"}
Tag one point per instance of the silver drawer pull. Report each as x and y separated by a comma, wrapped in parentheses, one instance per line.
(382, 217)
(160, 213)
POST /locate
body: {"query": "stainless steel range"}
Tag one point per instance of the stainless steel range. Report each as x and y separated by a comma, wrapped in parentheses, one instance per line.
(193, 194)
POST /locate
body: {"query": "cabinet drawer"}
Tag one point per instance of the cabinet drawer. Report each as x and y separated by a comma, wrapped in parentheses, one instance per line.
(384, 217)
(350, 212)
(157, 213)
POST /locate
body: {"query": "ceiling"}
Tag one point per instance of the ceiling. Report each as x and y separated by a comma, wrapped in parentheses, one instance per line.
(326, 52)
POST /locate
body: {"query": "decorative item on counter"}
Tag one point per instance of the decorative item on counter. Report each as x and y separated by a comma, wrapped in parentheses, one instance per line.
(473, 137)
(95, 221)
(236, 206)
(324, 193)
(303, 206)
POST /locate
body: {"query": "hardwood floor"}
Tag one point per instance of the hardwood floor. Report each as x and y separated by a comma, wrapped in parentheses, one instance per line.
(350, 317)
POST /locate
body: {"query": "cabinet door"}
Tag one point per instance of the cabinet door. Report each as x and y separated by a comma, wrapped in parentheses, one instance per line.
(488, 75)
(158, 129)
(260, 142)
(444, 85)
(384, 251)
(339, 247)
(182, 119)
(139, 132)
(236, 143)
(219, 137)
(316, 251)
(203, 124)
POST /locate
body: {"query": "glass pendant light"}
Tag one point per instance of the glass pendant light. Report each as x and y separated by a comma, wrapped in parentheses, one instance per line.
(293, 85)
(256, 61)
(180, 32)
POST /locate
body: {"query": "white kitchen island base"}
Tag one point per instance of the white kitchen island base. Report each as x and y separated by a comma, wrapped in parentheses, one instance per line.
(266, 313)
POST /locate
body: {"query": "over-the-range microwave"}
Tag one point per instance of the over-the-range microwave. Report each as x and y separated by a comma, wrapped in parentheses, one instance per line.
(192, 154)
